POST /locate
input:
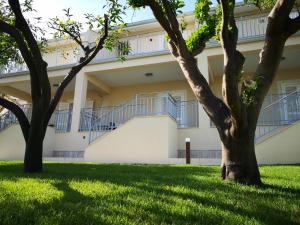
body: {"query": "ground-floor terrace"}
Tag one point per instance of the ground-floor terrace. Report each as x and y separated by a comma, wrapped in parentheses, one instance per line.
(143, 110)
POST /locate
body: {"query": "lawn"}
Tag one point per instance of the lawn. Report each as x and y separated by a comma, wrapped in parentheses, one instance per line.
(72, 194)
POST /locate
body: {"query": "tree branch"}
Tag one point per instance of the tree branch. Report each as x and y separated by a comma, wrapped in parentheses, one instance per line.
(171, 15)
(233, 64)
(75, 70)
(215, 108)
(19, 113)
(41, 84)
(17, 36)
(74, 37)
(159, 15)
(22, 25)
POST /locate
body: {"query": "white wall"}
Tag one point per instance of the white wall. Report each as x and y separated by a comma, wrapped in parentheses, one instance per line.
(202, 138)
(281, 148)
(12, 144)
(71, 141)
(140, 140)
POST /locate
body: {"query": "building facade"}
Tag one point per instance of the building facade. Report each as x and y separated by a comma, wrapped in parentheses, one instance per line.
(142, 110)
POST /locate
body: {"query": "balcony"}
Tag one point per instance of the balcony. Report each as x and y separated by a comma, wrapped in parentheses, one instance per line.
(251, 28)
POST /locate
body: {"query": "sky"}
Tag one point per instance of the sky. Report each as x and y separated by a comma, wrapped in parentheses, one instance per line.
(48, 9)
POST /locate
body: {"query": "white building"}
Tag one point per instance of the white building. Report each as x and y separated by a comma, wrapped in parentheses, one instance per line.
(141, 110)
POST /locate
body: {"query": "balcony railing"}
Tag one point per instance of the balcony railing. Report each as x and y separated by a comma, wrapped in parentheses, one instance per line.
(60, 120)
(250, 28)
(8, 118)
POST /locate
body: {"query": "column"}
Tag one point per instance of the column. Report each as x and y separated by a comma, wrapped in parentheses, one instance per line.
(79, 100)
(202, 59)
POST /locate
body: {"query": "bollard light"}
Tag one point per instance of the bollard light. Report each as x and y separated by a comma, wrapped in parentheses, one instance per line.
(188, 150)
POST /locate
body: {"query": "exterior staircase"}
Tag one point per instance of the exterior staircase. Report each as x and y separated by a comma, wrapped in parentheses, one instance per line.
(139, 105)
(282, 111)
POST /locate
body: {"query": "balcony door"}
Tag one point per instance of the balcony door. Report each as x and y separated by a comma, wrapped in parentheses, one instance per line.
(291, 100)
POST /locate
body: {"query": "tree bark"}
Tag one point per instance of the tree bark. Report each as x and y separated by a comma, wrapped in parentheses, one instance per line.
(33, 160)
(239, 162)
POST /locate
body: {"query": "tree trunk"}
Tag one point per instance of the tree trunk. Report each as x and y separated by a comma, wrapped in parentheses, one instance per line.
(239, 162)
(33, 160)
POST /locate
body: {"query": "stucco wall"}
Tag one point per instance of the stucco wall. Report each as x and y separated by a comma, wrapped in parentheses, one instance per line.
(12, 145)
(121, 94)
(140, 140)
(76, 141)
(202, 138)
(281, 148)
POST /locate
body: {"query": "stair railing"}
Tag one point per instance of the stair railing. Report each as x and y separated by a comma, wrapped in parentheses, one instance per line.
(139, 105)
(282, 112)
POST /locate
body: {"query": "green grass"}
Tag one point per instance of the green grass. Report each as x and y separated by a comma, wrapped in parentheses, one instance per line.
(72, 194)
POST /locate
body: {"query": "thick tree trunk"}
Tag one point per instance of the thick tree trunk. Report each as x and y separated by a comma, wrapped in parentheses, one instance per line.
(239, 162)
(33, 160)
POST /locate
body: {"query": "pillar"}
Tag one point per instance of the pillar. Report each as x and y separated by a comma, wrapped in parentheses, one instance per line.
(79, 100)
(202, 59)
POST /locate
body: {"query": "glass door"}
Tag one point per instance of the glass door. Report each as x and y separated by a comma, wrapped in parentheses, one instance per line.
(291, 102)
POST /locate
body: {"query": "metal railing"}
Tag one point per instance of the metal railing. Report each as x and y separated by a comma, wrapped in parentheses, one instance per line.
(62, 121)
(278, 111)
(187, 114)
(139, 105)
(8, 118)
(87, 115)
(251, 27)
(283, 111)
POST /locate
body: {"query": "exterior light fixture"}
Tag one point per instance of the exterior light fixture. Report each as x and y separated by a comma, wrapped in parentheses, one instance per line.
(149, 74)
(188, 150)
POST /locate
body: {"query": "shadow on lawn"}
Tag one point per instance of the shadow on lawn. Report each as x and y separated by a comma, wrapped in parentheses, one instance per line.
(160, 184)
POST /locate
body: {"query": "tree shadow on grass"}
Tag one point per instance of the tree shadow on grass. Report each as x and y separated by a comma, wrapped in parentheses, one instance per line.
(163, 186)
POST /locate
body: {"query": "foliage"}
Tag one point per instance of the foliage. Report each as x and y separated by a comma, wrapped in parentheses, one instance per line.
(261, 4)
(8, 47)
(199, 37)
(248, 92)
(68, 28)
(145, 194)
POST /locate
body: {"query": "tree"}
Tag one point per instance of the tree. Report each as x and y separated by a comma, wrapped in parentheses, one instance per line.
(236, 115)
(19, 40)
